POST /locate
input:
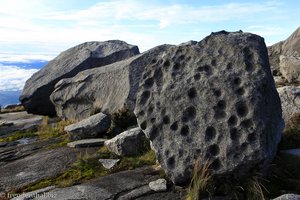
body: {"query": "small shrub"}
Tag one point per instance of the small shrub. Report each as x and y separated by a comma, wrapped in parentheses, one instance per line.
(121, 121)
(21, 134)
(291, 133)
(18, 108)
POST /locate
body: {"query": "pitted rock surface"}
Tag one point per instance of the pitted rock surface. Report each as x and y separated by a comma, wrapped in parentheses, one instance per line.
(214, 101)
(108, 89)
(36, 93)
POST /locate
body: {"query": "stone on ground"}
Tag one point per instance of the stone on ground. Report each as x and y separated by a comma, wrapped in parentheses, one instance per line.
(91, 127)
(129, 143)
(37, 90)
(288, 197)
(108, 89)
(159, 185)
(290, 101)
(108, 163)
(95, 142)
(215, 101)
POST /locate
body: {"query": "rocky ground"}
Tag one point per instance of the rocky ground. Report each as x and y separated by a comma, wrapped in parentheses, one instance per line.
(201, 120)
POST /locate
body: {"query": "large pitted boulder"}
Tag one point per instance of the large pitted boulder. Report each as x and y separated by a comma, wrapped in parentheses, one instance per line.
(290, 101)
(214, 101)
(128, 143)
(108, 89)
(91, 127)
(37, 90)
(284, 57)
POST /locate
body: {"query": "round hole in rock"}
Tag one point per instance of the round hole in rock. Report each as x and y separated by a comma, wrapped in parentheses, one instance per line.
(210, 133)
(176, 67)
(144, 97)
(189, 113)
(242, 109)
(143, 125)
(171, 162)
(232, 121)
(221, 105)
(166, 120)
(174, 126)
(185, 130)
(240, 91)
(217, 93)
(216, 165)
(192, 93)
(148, 83)
(234, 134)
(197, 77)
(214, 150)
(251, 137)
(219, 114)
(247, 123)
(167, 63)
(153, 133)
(237, 81)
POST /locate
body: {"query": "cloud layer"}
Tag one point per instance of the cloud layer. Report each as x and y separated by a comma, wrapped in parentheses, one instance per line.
(13, 78)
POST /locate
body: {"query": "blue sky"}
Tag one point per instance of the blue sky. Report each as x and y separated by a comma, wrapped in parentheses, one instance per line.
(40, 29)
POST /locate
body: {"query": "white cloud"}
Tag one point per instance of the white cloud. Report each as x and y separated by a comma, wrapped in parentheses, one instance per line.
(13, 78)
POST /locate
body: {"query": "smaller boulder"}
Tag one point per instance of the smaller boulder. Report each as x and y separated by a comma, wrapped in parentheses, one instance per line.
(288, 197)
(290, 68)
(91, 127)
(129, 143)
(109, 163)
(290, 101)
(160, 185)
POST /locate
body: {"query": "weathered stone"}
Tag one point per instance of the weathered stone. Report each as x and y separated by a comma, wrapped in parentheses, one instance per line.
(128, 143)
(290, 101)
(96, 142)
(290, 50)
(288, 197)
(215, 101)
(37, 90)
(33, 168)
(91, 127)
(37, 193)
(290, 68)
(159, 185)
(108, 89)
(120, 185)
(108, 163)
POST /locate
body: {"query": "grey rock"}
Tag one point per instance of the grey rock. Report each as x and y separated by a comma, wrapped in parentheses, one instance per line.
(129, 143)
(91, 127)
(108, 163)
(37, 193)
(215, 101)
(108, 89)
(279, 80)
(120, 185)
(87, 143)
(289, 48)
(159, 185)
(37, 90)
(290, 101)
(35, 167)
(288, 197)
(290, 68)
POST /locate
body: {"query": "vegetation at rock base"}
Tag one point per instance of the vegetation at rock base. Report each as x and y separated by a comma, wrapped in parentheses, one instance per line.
(121, 121)
(18, 108)
(88, 166)
(291, 133)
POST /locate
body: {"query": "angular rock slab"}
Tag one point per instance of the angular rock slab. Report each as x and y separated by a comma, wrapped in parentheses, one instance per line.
(36, 93)
(128, 143)
(214, 101)
(96, 142)
(108, 89)
(91, 127)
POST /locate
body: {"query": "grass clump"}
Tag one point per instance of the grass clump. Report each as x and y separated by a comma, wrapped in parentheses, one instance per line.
(10, 109)
(200, 183)
(87, 166)
(19, 135)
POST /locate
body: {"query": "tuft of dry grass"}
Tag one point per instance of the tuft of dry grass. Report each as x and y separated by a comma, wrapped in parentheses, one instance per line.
(200, 181)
